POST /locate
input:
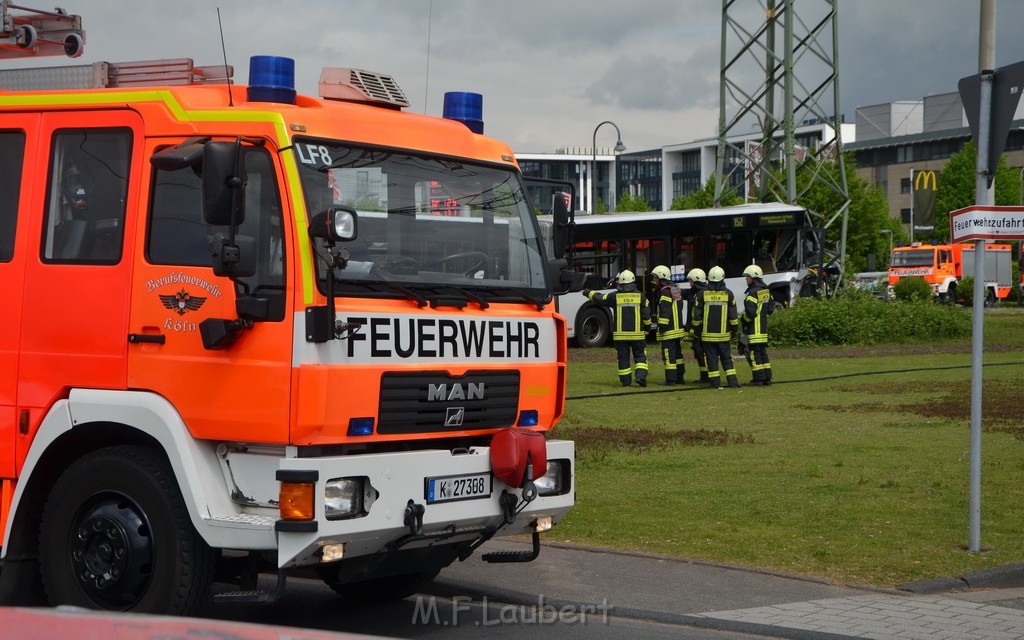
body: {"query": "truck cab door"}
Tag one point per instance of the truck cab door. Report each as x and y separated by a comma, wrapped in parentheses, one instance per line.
(240, 392)
(77, 263)
(17, 133)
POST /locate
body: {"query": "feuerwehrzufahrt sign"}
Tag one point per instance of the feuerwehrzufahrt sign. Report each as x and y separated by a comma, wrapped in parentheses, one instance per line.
(980, 222)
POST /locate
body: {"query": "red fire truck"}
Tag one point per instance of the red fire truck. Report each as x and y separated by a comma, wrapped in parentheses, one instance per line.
(943, 265)
(253, 332)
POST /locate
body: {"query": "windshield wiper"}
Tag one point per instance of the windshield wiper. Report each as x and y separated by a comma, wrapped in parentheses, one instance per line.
(519, 293)
(377, 285)
(473, 297)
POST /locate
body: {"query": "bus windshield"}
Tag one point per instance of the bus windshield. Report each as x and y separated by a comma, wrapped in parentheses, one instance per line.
(425, 222)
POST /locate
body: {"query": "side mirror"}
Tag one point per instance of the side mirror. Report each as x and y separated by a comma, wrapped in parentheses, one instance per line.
(563, 279)
(234, 260)
(560, 223)
(336, 224)
(223, 181)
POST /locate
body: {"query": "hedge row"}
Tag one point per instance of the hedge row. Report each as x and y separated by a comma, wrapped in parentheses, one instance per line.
(856, 317)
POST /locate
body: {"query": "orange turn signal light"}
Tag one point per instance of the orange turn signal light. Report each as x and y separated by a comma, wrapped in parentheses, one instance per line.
(297, 501)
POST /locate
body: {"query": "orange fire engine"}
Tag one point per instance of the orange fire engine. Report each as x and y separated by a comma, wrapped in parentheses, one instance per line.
(248, 331)
(943, 265)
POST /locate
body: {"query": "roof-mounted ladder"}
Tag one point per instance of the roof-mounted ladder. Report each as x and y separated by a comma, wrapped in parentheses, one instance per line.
(31, 32)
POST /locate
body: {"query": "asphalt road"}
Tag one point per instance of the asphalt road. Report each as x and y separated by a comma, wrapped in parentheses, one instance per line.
(566, 593)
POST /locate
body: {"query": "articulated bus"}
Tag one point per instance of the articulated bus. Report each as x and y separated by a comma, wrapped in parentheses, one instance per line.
(779, 238)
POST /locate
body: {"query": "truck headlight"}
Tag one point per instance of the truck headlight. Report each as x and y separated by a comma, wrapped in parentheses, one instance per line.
(343, 498)
(555, 480)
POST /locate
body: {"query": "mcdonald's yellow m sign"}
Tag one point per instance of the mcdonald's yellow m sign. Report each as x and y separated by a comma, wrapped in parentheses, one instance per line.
(922, 180)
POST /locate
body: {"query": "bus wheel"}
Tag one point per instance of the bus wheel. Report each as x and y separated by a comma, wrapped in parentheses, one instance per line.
(116, 535)
(592, 328)
(386, 589)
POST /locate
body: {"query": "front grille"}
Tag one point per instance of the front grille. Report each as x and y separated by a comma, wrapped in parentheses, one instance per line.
(426, 402)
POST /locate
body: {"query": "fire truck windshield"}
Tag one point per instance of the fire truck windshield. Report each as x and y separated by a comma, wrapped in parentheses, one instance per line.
(425, 222)
(913, 258)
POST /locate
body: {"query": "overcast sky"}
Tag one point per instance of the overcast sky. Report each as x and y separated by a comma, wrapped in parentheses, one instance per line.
(550, 70)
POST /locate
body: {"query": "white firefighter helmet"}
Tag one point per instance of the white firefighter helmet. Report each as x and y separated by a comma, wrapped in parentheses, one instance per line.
(626, 277)
(716, 274)
(697, 275)
(753, 271)
(662, 272)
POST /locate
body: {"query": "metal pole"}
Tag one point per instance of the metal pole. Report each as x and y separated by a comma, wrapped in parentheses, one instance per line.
(983, 196)
(619, 147)
(911, 205)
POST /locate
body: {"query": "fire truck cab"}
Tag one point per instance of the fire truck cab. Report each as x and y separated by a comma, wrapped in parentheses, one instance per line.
(248, 331)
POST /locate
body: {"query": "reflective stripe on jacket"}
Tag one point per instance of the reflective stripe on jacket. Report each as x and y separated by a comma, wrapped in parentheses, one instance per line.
(670, 321)
(714, 313)
(757, 304)
(632, 314)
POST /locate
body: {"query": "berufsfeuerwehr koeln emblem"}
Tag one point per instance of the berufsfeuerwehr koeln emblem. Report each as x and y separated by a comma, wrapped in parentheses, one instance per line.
(182, 302)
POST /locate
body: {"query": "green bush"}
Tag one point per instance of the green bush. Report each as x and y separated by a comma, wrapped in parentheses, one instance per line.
(912, 290)
(857, 318)
(965, 290)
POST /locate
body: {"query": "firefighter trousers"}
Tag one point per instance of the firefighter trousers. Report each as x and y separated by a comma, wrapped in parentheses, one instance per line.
(698, 356)
(720, 353)
(760, 367)
(638, 350)
(672, 355)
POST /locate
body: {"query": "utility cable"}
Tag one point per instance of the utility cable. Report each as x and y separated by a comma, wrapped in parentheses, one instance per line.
(702, 386)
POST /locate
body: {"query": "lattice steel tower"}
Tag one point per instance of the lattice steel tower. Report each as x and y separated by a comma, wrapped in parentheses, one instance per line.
(779, 67)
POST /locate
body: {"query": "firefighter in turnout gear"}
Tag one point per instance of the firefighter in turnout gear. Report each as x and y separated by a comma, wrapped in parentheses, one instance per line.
(698, 281)
(716, 324)
(757, 305)
(632, 317)
(670, 325)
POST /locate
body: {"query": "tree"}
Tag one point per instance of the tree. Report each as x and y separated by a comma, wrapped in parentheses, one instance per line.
(704, 198)
(867, 215)
(957, 188)
(632, 203)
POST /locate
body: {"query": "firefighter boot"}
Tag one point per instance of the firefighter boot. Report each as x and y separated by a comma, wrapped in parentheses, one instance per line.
(733, 380)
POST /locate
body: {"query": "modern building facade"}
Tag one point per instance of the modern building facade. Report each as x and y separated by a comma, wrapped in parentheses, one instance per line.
(896, 138)
(598, 173)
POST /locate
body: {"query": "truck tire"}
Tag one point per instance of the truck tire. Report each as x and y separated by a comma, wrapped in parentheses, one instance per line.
(592, 328)
(950, 296)
(116, 535)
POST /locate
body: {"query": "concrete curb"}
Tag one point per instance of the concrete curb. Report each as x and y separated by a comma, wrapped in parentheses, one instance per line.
(1008, 576)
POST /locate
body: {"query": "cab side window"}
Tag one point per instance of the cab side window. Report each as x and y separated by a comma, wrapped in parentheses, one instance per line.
(12, 158)
(178, 235)
(86, 196)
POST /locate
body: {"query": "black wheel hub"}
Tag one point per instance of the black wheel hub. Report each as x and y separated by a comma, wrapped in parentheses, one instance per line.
(112, 552)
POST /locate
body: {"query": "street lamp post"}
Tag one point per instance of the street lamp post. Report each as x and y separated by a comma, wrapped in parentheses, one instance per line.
(619, 148)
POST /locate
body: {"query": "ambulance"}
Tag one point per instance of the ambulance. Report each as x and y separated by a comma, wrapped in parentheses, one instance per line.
(249, 334)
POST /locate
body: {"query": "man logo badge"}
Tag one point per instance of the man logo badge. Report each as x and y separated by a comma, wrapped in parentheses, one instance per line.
(454, 416)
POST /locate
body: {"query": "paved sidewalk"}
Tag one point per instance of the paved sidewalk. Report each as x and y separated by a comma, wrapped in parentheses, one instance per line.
(876, 616)
(986, 605)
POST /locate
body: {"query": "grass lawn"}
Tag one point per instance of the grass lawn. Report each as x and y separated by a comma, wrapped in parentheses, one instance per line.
(862, 479)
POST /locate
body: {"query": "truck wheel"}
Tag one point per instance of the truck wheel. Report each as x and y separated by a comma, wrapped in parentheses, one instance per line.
(386, 589)
(592, 328)
(116, 535)
(950, 296)
(990, 297)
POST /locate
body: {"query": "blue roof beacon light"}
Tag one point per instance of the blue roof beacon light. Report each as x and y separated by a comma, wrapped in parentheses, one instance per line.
(271, 79)
(465, 107)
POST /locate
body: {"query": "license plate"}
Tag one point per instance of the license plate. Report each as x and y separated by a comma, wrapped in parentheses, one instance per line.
(466, 487)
